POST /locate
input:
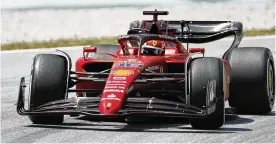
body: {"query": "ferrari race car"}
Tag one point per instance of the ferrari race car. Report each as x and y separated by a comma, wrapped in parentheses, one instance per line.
(122, 82)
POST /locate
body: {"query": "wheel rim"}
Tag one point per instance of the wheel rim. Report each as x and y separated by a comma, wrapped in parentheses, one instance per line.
(270, 83)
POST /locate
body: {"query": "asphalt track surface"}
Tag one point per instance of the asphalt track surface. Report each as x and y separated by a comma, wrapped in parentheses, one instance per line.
(16, 128)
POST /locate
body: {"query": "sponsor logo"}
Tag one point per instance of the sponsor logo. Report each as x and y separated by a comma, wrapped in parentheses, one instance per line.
(161, 69)
(228, 79)
(111, 99)
(130, 61)
(119, 82)
(170, 51)
(114, 87)
(119, 78)
(154, 67)
(154, 43)
(122, 72)
(121, 87)
(166, 37)
(129, 65)
(115, 98)
(116, 82)
(108, 105)
(111, 96)
(114, 90)
(111, 87)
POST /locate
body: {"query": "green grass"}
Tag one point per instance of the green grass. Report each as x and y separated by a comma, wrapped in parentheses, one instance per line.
(103, 40)
(58, 43)
(260, 32)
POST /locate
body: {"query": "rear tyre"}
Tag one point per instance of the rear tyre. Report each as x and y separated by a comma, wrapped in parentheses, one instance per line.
(203, 70)
(48, 83)
(252, 86)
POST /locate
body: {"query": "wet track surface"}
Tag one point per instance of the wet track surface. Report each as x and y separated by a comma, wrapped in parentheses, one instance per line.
(16, 128)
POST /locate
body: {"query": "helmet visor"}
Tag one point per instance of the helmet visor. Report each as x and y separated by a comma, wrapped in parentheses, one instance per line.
(151, 50)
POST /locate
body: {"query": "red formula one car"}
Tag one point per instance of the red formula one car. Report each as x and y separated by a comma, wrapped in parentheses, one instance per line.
(150, 74)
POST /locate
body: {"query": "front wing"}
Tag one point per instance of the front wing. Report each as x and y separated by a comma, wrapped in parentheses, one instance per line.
(141, 106)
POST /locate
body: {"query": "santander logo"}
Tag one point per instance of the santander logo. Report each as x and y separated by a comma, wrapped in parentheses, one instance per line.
(111, 96)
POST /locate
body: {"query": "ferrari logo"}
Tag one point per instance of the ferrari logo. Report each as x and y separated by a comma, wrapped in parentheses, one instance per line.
(154, 43)
(108, 105)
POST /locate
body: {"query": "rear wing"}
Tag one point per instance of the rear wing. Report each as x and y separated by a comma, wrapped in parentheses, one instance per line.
(206, 31)
(189, 31)
(202, 31)
(193, 31)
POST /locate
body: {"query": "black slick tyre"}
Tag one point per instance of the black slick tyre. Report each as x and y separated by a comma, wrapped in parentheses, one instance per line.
(48, 83)
(202, 71)
(252, 85)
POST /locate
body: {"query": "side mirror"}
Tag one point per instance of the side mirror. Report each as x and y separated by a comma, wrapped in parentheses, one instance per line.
(87, 50)
(195, 50)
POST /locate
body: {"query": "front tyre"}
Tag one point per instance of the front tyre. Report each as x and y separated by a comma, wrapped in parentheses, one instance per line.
(48, 83)
(202, 71)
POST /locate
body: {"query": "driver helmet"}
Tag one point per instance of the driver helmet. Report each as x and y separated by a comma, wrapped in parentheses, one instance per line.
(153, 48)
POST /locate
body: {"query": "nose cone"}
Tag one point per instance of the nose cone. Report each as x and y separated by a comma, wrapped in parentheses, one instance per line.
(123, 73)
(114, 93)
(110, 106)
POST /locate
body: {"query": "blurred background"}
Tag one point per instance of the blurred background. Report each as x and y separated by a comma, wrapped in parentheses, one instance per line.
(42, 20)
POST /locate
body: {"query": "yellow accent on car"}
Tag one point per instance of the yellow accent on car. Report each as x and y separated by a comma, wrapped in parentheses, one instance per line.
(122, 72)
(154, 43)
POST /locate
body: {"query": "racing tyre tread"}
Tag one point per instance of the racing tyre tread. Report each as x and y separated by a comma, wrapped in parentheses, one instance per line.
(249, 92)
(48, 83)
(203, 70)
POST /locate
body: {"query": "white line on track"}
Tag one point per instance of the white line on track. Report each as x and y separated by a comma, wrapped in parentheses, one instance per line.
(80, 47)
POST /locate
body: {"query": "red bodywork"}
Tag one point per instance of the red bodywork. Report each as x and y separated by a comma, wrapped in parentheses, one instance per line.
(120, 79)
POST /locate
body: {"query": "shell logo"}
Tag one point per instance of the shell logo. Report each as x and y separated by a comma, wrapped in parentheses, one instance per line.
(122, 72)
